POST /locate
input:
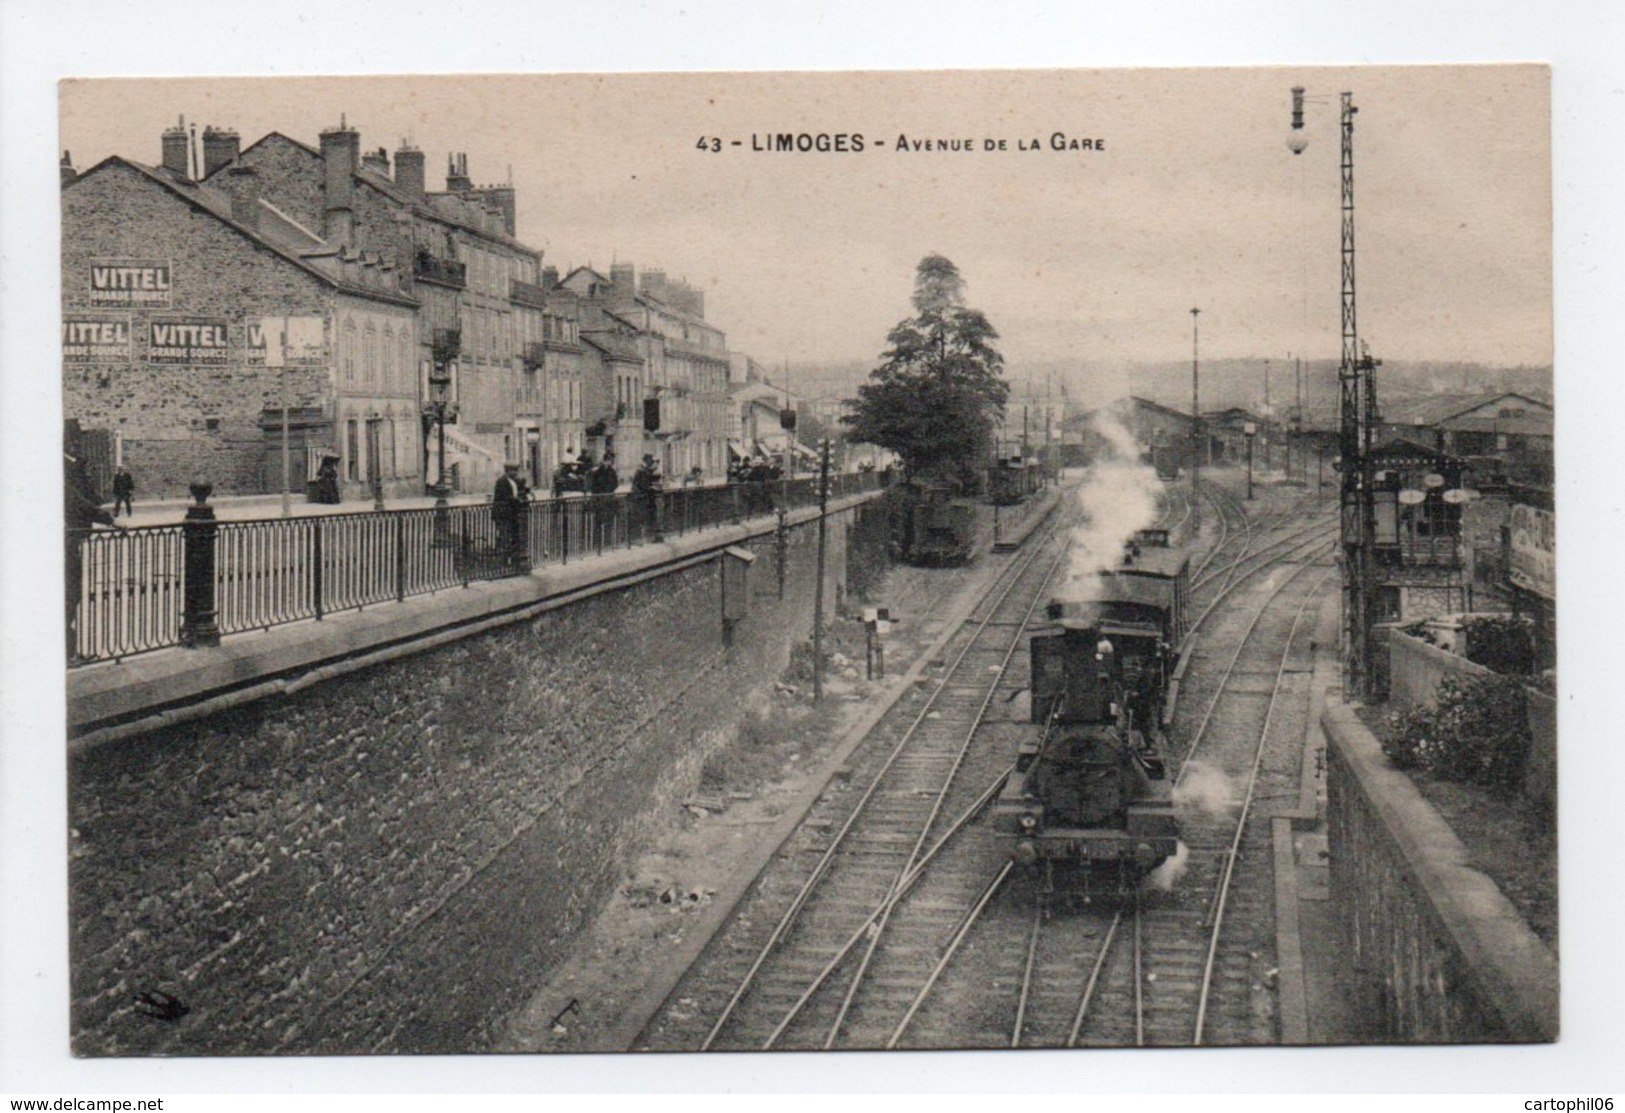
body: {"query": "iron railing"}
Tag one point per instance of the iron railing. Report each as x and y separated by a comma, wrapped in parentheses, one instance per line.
(128, 599)
(271, 572)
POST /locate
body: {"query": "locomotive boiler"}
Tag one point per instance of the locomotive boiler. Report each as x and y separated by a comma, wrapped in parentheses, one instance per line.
(1089, 808)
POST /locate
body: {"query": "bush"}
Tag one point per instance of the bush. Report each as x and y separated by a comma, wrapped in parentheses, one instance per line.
(1476, 731)
(1503, 644)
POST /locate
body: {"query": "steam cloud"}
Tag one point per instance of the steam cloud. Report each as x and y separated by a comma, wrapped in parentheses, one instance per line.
(1119, 496)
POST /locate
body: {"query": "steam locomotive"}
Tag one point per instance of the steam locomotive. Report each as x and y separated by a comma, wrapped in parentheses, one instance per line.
(1089, 807)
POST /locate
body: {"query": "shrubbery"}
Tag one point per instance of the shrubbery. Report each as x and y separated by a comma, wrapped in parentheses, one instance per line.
(1476, 731)
(1501, 643)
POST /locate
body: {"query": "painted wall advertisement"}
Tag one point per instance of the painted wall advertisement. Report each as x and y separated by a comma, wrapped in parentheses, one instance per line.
(95, 338)
(286, 341)
(200, 341)
(130, 282)
(1534, 550)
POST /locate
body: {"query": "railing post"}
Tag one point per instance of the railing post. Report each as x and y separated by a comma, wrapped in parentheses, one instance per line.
(400, 556)
(564, 531)
(464, 548)
(316, 566)
(519, 558)
(198, 625)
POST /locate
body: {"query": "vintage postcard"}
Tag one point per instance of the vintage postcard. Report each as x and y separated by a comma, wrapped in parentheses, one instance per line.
(791, 561)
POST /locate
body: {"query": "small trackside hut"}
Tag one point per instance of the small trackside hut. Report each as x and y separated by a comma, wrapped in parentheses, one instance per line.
(1089, 806)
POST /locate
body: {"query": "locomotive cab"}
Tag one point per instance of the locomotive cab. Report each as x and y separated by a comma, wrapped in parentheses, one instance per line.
(1090, 796)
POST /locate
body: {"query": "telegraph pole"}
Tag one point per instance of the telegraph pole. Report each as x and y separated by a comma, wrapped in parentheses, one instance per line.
(1357, 420)
(1196, 428)
(824, 449)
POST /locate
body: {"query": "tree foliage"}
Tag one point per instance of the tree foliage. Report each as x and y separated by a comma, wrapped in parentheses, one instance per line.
(937, 395)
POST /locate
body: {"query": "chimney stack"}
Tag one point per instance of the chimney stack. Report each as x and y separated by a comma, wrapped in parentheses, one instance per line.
(377, 161)
(622, 276)
(457, 179)
(341, 151)
(550, 276)
(409, 171)
(220, 147)
(174, 140)
(501, 198)
(244, 185)
(66, 170)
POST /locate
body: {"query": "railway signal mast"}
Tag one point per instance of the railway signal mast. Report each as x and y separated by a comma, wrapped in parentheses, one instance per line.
(1356, 430)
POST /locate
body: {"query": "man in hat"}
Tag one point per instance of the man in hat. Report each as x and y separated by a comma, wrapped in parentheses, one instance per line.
(123, 491)
(507, 507)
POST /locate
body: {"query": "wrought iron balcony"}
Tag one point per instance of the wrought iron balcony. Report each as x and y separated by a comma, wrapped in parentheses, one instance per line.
(446, 272)
(527, 294)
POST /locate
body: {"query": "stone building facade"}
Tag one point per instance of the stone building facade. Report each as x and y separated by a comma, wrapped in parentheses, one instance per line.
(685, 362)
(479, 288)
(167, 288)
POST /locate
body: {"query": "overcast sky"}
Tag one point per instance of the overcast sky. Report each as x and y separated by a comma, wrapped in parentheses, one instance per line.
(1096, 256)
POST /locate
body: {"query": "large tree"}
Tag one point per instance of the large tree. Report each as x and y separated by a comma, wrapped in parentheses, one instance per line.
(937, 395)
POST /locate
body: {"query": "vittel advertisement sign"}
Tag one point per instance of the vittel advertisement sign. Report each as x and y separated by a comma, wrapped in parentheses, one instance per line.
(1534, 550)
(130, 282)
(286, 341)
(194, 340)
(95, 338)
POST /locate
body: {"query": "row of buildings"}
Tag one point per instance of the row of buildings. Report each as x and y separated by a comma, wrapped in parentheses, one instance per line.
(242, 316)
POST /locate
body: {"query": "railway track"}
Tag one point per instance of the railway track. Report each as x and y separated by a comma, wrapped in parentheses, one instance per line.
(802, 959)
(911, 929)
(1109, 975)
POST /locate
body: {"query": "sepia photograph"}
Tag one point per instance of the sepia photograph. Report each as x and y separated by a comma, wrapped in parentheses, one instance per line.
(1050, 558)
(707, 550)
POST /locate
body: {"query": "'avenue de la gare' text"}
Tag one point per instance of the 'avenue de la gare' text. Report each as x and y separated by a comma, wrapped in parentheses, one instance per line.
(854, 142)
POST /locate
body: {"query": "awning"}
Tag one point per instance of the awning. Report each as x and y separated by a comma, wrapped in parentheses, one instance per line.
(802, 450)
(736, 450)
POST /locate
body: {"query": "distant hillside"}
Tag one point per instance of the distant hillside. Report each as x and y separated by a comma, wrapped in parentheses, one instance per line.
(1224, 383)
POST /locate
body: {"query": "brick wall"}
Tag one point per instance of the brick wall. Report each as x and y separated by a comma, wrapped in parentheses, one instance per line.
(1436, 953)
(386, 861)
(216, 273)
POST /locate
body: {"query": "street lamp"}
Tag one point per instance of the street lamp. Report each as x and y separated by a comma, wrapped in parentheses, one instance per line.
(447, 345)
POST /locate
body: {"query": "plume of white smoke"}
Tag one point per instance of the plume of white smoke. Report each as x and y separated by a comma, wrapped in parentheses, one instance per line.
(1119, 495)
(1166, 876)
(1205, 789)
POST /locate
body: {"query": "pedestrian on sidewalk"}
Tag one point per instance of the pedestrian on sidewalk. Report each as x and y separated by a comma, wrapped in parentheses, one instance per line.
(82, 514)
(123, 491)
(507, 507)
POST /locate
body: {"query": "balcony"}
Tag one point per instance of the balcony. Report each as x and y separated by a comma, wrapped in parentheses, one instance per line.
(533, 354)
(527, 294)
(445, 272)
(693, 350)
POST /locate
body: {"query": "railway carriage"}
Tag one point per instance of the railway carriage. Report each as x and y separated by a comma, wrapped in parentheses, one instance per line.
(1013, 481)
(1089, 807)
(937, 528)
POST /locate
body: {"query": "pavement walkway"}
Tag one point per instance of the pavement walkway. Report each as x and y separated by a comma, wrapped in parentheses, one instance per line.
(1315, 1007)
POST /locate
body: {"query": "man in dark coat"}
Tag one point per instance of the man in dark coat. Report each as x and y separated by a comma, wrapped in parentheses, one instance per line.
(123, 491)
(82, 513)
(507, 502)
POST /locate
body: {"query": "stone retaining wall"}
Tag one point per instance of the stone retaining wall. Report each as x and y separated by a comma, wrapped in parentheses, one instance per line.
(385, 861)
(1437, 953)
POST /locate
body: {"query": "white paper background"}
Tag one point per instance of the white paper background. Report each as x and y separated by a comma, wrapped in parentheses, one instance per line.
(40, 44)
